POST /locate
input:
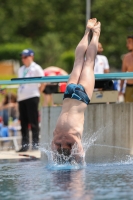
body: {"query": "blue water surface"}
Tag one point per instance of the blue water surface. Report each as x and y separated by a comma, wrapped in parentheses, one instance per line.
(33, 180)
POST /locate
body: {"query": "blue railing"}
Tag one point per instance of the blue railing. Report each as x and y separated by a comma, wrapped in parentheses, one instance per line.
(57, 79)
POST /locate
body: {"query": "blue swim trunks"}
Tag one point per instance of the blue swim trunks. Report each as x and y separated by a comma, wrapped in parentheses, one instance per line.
(76, 91)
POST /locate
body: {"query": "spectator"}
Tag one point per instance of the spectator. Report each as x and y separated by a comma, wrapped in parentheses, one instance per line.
(53, 87)
(28, 100)
(101, 62)
(127, 66)
(48, 91)
(8, 107)
(117, 84)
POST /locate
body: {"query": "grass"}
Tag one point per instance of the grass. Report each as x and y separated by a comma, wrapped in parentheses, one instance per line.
(6, 77)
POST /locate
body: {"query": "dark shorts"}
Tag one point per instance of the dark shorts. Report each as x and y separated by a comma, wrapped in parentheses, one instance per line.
(129, 93)
(76, 91)
(49, 89)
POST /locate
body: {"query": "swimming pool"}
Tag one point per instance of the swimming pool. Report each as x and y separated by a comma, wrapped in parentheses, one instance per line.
(33, 180)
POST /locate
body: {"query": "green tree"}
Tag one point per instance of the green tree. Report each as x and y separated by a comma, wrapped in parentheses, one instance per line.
(61, 23)
(66, 60)
(48, 50)
(34, 20)
(116, 19)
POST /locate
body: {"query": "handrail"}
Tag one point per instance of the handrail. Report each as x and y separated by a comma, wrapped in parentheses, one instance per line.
(57, 79)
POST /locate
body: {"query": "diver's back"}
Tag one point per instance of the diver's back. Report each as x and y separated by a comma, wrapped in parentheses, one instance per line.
(73, 105)
(71, 118)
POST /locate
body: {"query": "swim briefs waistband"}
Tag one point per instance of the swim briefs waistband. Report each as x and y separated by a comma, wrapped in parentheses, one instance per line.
(76, 91)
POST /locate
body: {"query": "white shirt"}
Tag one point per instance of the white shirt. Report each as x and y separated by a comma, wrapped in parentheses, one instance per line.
(101, 63)
(26, 91)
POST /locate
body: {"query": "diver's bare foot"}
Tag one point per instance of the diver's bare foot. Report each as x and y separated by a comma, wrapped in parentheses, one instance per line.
(97, 28)
(90, 24)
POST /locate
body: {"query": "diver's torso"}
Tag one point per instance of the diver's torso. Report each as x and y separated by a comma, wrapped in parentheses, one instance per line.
(71, 119)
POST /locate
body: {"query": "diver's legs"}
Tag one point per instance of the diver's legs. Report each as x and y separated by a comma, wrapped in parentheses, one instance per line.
(87, 78)
(80, 54)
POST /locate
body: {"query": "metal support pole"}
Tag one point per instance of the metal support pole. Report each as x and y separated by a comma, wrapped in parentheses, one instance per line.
(88, 10)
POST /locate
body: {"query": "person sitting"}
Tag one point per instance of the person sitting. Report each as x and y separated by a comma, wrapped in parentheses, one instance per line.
(8, 108)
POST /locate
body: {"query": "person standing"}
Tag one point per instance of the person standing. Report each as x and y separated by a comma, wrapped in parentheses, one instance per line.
(28, 100)
(127, 66)
(101, 62)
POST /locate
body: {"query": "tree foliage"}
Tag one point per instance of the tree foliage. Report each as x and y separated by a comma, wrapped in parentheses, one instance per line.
(116, 19)
(53, 28)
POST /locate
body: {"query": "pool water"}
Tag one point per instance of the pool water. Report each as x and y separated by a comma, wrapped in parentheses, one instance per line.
(33, 180)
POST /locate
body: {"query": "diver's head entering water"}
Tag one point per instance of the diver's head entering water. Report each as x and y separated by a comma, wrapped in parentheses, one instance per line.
(71, 155)
(62, 156)
(67, 148)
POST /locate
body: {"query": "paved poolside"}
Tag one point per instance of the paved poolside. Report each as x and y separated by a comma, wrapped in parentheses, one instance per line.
(12, 154)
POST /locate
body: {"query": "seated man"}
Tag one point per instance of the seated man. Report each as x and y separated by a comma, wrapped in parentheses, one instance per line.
(80, 86)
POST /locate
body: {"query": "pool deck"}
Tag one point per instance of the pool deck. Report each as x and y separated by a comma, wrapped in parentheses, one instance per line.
(12, 154)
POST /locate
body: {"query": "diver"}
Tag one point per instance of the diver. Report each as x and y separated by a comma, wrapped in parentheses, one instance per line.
(69, 128)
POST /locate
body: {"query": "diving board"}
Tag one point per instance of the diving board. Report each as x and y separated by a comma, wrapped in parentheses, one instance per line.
(57, 79)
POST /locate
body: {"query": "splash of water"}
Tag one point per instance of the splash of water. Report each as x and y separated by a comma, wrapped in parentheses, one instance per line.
(127, 160)
(60, 161)
(89, 139)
